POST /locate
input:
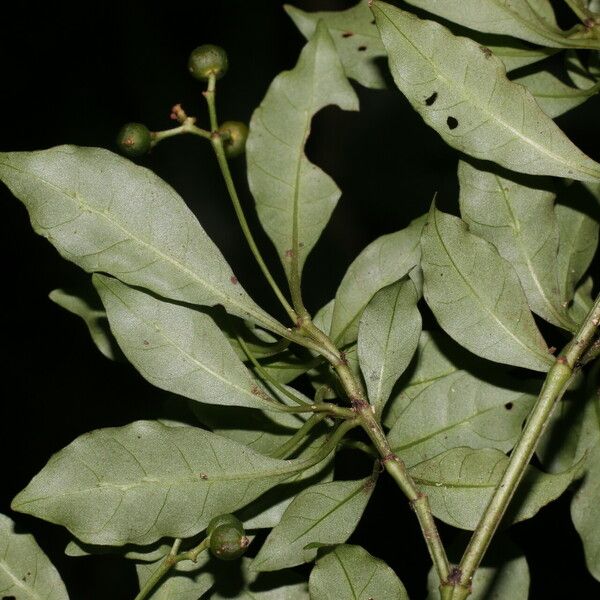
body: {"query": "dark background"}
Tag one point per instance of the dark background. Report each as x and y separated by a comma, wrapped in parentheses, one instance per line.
(75, 75)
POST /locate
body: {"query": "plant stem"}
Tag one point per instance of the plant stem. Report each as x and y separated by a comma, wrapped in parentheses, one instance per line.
(295, 440)
(186, 127)
(554, 387)
(210, 95)
(266, 376)
(580, 10)
(169, 562)
(217, 144)
(392, 463)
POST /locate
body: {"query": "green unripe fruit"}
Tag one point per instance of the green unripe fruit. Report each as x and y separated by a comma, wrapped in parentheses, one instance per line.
(228, 542)
(226, 519)
(134, 139)
(207, 60)
(235, 135)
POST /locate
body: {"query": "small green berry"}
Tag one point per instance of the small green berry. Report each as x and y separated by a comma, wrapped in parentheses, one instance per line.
(207, 60)
(235, 133)
(228, 542)
(226, 519)
(134, 139)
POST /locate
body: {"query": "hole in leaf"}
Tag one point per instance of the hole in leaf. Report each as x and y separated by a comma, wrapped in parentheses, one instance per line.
(362, 48)
(508, 405)
(431, 99)
(373, 22)
(347, 34)
(452, 122)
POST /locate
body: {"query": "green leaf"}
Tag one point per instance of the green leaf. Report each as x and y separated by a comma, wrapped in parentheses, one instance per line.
(294, 198)
(460, 409)
(554, 97)
(577, 218)
(583, 77)
(355, 37)
(240, 581)
(504, 574)
(436, 357)
(151, 553)
(351, 572)
(461, 90)
(264, 432)
(516, 215)
(187, 580)
(531, 20)
(25, 571)
(93, 315)
(139, 483)
(585, 512)
(476, 296)
(387, 339)
(511, 52)
(573, 427)
(381, 263)
(267, 511)
(324, 514)
(178, 348)
(108, 215)
(461, 481)
(582, 301)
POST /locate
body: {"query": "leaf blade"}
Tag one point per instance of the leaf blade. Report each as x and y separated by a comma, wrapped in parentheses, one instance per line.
(351, 572)
(325, 513)
(178, 348)
(388, 336)
(476, 296)
(517, 217)
(461, 90)
(384, 261)
(294, 198)
(461, 481)
(25, 571)
(108, 215)
(182, 476)
(533, 21)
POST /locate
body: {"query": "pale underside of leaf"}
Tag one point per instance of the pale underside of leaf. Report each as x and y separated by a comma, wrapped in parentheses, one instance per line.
(518, 219)
(294, 198)
(108, 215)
(433, 360)
(324, 514)
(585, 512)
(384, 261)
(178, 348)
(461, 481)
(94, 318)
(460, 89)
(139, 483)
(503, 575)
(459, 410)
(25, 571)
(187, 580)
(578, 224)
(351, 572)
(530, 20)
(388, 336)
(554, 97)
(355, 37)
(476, 296)
(245, 583)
